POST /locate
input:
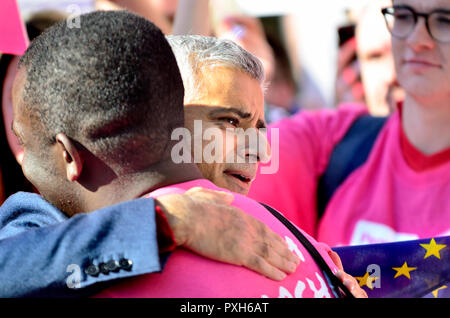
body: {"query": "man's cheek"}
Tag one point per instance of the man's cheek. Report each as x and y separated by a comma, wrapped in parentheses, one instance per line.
(230, 141)
(210, 171)
(35, 172)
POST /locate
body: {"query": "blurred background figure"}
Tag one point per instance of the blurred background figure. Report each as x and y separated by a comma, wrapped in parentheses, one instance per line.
(365, 65)
(282, 94)
(160, 12)
(373, 44)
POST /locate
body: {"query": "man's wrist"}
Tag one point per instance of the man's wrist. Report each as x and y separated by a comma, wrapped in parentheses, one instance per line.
(165, 235)
(175, 209)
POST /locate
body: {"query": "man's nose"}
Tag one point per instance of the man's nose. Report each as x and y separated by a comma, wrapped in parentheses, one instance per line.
(264, 151)
(420, 38)
(256, 148)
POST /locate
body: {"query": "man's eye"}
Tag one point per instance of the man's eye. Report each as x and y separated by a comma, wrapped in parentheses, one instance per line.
(374, 56)
(442, 21)
(230, 120)
(403, 15)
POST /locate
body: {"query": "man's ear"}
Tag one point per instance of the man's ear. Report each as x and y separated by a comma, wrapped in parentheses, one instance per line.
(72, 157)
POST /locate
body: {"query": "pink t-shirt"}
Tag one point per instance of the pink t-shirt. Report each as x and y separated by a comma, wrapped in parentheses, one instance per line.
(189, 275)
(383, 200)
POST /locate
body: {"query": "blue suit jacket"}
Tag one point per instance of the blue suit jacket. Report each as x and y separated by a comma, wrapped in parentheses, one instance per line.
(45, 254)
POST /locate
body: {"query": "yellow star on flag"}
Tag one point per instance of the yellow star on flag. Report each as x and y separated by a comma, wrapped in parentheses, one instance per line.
(366, 280)
(435, 292)
(404, 270)
(433, 248)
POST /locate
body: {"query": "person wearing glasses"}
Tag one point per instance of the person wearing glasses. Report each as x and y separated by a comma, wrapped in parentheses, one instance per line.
(401, 189)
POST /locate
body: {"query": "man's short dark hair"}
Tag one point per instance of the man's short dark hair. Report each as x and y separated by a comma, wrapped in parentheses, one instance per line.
(112, 85)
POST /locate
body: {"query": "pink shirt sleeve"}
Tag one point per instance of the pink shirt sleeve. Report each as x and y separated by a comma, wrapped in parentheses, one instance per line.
(304, 146)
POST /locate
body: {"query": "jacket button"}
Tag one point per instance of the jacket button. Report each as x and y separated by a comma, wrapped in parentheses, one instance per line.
(92, 270)
(103, 268)
(125, 264)
(113, 266)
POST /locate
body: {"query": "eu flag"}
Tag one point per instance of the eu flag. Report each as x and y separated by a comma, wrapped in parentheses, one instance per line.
(417, 268)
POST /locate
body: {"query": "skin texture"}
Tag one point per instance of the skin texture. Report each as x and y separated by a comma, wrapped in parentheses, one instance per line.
(229, 99)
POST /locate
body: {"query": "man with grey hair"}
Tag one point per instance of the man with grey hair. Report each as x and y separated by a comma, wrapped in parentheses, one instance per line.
(196, 54)
(223, 91)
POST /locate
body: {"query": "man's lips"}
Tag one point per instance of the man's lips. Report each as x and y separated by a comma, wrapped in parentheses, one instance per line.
(240, 175)
(420, 62)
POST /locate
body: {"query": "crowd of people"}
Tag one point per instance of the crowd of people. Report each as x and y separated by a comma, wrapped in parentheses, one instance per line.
(137, 151)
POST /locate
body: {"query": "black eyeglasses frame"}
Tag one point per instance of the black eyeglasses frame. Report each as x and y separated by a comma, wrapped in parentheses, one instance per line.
(416, 15)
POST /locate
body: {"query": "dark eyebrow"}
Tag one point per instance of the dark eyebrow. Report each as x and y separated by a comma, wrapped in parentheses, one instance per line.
(220, 110)
(437, 10)
(223, 110)
(445, 11)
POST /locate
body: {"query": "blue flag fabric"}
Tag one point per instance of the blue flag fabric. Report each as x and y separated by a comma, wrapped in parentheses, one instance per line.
(417, 268)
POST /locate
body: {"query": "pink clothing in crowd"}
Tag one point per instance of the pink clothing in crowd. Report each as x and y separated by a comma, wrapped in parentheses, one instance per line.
(189, 275)
(383, 200)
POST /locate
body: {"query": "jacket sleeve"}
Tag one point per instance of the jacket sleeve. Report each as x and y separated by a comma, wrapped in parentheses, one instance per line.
(45, 254)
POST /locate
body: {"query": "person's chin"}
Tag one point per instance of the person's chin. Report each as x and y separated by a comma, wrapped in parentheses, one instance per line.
(235, 185)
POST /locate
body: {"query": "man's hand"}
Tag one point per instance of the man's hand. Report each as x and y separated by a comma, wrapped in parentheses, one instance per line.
(348, 86)
(349, 281)
(204, 221)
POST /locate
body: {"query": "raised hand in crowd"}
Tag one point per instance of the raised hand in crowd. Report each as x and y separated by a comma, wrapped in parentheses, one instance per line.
(348, 87)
